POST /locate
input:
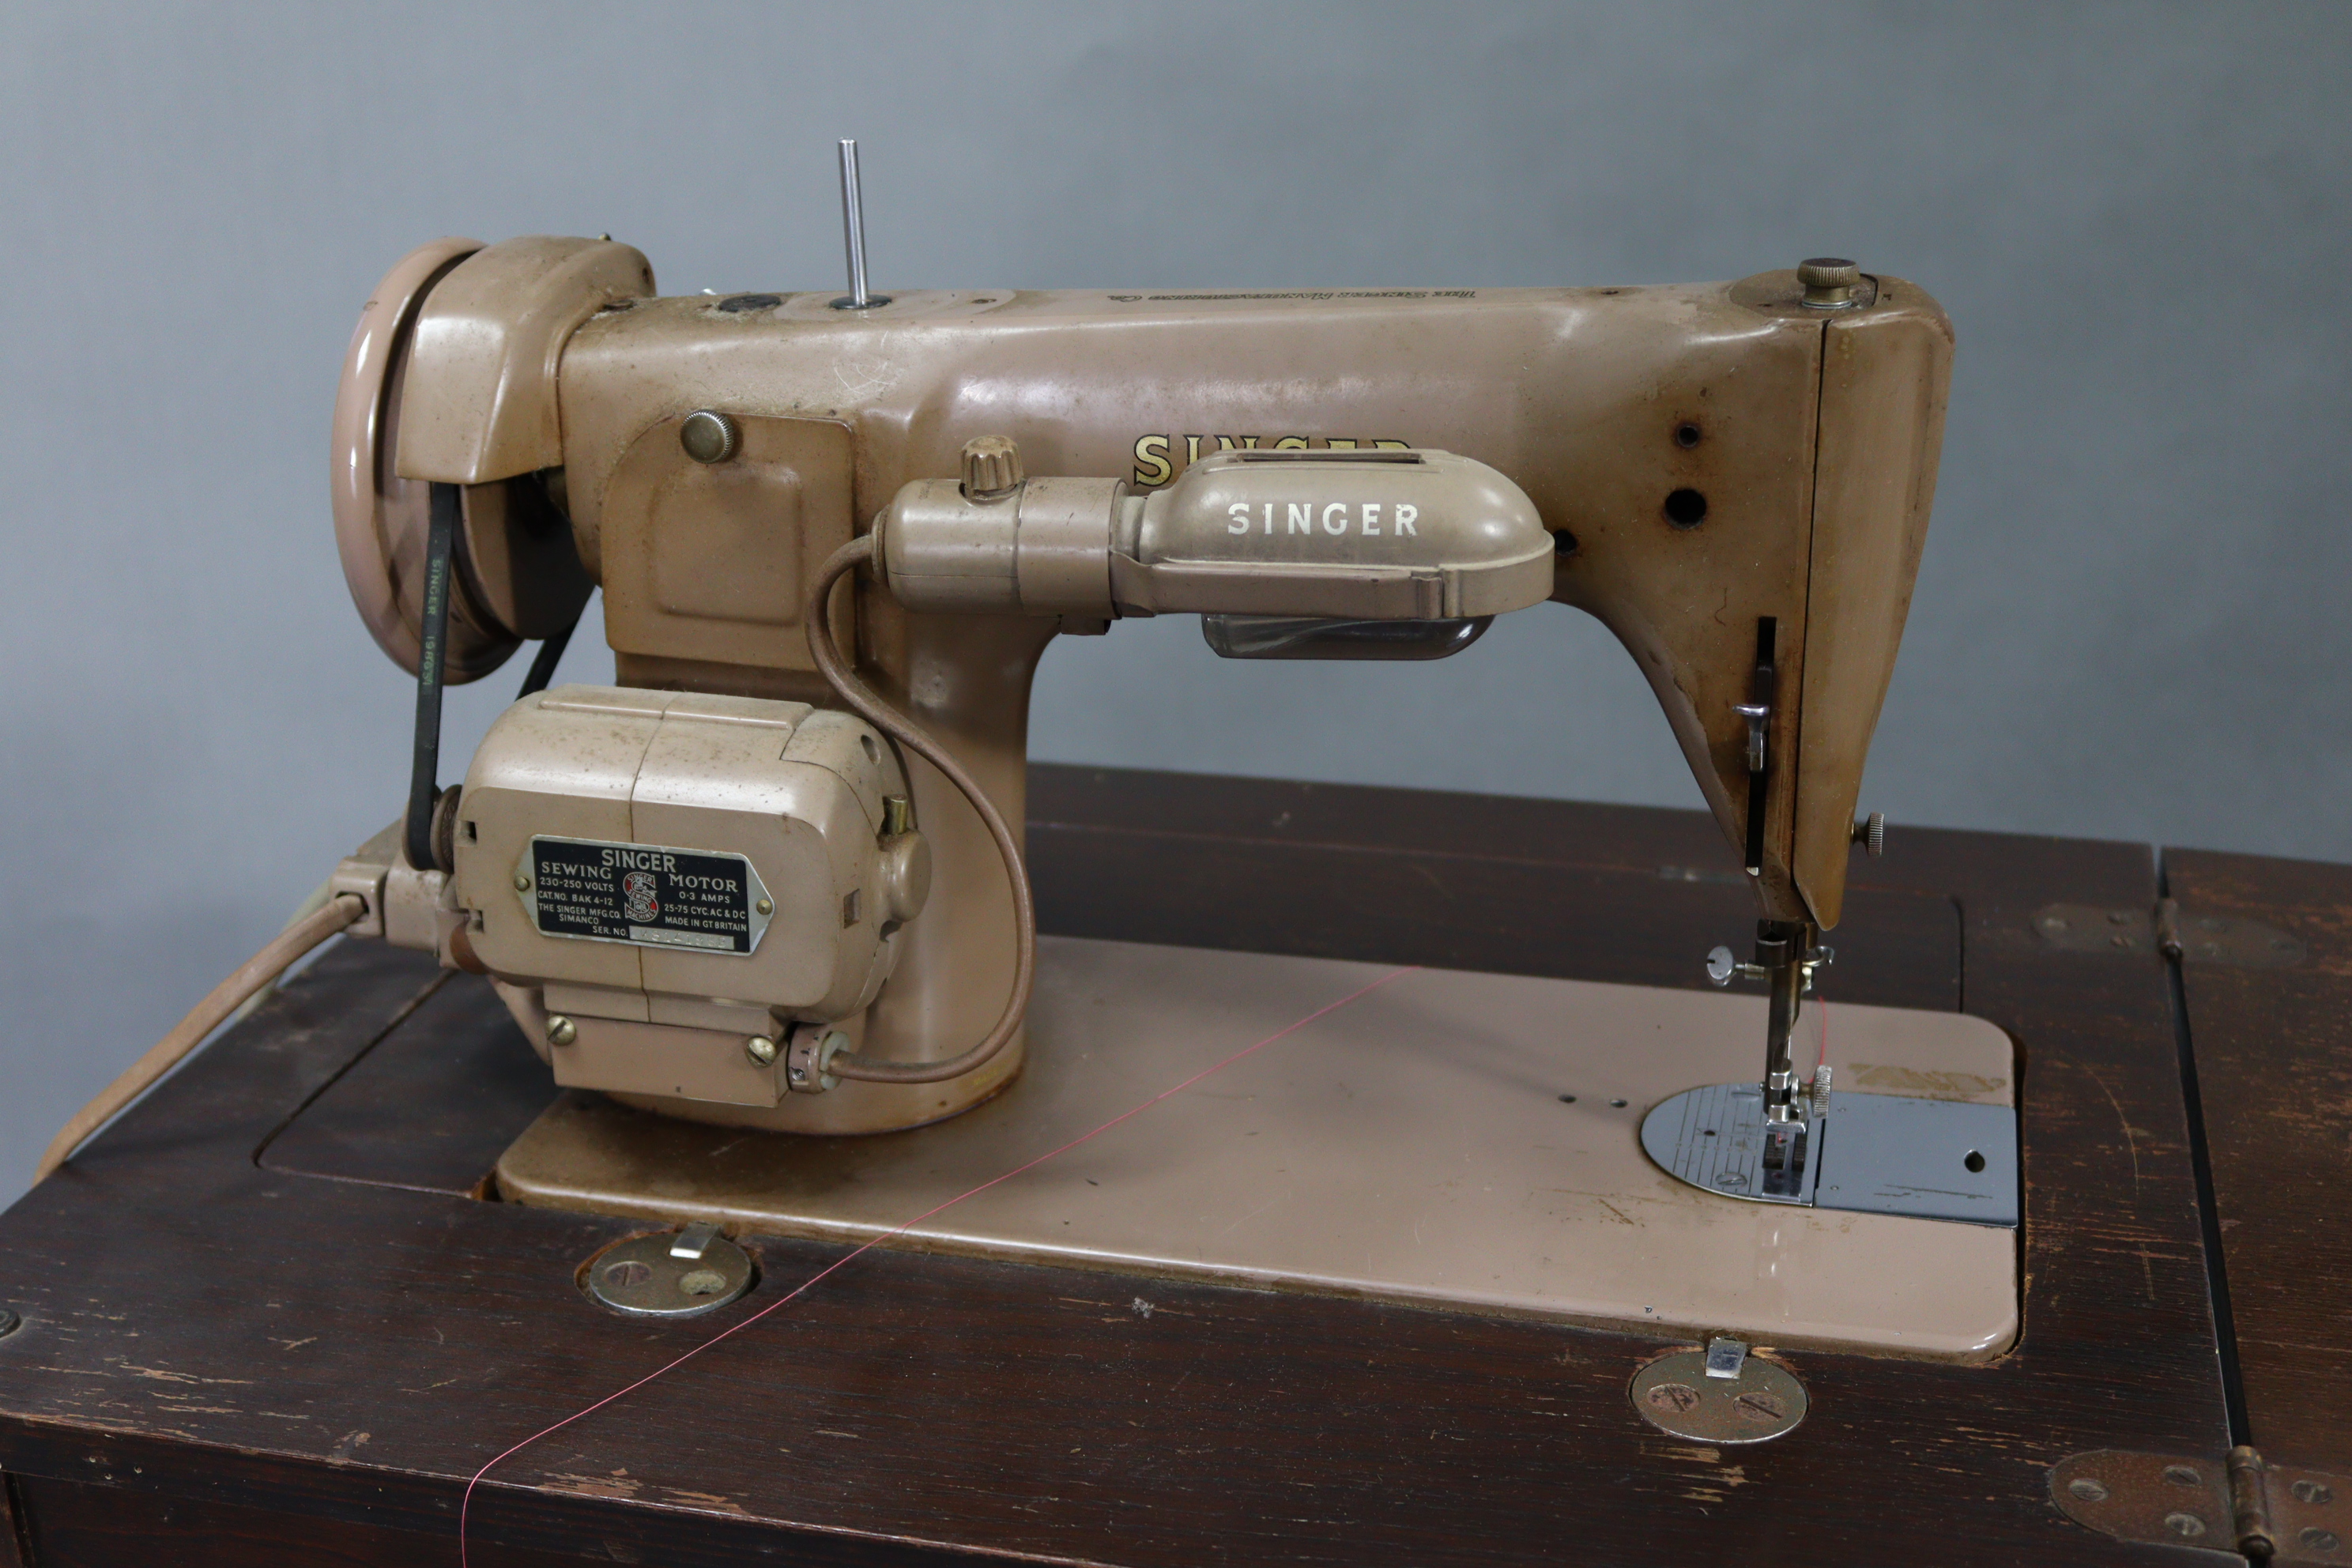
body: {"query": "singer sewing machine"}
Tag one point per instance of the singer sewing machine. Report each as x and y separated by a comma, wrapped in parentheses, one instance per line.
(1338, 1175)
(767, 880)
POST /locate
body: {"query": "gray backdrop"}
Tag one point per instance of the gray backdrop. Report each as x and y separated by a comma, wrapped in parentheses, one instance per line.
(2129, 620)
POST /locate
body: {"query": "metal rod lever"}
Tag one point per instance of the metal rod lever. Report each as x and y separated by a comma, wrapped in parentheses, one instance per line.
(853, 235)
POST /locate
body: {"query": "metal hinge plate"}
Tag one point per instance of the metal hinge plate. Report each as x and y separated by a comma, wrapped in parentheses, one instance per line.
(2290, 1515)
(2187, 935)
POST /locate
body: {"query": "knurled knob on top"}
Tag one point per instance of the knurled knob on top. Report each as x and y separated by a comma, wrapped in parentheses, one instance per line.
(1829, 280)
(991, 468)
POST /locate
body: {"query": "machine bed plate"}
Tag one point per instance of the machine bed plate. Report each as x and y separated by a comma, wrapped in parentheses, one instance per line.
(1451, 1139)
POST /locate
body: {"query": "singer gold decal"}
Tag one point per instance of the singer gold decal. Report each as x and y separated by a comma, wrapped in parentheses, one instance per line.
(1160, 459)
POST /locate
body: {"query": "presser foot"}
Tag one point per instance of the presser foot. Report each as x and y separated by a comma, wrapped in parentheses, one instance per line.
(1781, 1169)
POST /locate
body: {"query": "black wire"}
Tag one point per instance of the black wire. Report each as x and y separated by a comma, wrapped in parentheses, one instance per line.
(424, 788)
(551, 654)
(2209, 1212)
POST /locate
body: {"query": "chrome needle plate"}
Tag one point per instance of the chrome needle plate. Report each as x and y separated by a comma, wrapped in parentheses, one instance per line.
(1874, 1153)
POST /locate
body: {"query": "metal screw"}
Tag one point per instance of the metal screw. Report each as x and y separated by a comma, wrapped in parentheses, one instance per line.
(709, 436)
(2312, 1491)
(10, 1322)
(2086, 1488)
(762, 1051)
(898, 815)
(561, 1030)
(2318, 1539)
(1870, 834)
(1673, 1397)
(522, 883)
(765, 906)
(2181, 1476)
(2187, 1526)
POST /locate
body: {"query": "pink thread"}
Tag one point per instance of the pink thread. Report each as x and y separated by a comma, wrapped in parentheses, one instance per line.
(465, 1506)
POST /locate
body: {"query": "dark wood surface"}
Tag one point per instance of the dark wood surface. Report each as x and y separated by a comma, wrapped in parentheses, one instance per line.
(269, 1291)
(83, 1525)
(2273, 1052)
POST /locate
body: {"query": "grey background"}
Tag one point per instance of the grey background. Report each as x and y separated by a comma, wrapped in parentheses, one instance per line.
(2129, 622)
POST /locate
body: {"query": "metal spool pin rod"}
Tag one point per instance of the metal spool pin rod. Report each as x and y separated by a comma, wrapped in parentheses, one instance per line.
(853, 235)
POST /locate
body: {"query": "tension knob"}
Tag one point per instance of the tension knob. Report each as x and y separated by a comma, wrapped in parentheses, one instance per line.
(991, 468)
(1830, 282)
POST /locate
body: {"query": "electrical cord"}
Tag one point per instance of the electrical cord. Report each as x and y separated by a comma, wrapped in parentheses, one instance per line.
(207, 1015)
(862, 700)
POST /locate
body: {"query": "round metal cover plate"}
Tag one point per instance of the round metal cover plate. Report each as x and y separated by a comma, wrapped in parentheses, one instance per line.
(640, 1278)
(1674, 1395)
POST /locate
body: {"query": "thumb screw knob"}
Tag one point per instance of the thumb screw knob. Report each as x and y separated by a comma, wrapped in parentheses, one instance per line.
(991, 468)
(1829, 282)
(1870, 834)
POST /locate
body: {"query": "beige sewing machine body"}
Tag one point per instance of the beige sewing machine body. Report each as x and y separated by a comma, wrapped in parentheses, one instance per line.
(722, 892)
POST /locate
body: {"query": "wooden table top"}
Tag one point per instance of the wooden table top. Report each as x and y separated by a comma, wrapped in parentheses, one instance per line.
(269, 1317)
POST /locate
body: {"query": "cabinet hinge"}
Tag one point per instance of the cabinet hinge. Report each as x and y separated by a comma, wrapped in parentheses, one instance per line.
(2290, 1515)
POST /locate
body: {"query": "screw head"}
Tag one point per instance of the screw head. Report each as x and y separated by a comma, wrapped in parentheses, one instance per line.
(561, 1030)
(709, 436)
(2312, 1491)
(2088, 1489)
(2187, 1526)
(1676, 1398)
(762, 1051)
(522, 883)
(2318, 1539)
(765, 906)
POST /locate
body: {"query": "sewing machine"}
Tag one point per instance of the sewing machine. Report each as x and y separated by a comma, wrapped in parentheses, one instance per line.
(767, 880)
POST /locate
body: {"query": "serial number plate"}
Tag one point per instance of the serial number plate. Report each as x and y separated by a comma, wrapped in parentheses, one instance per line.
(644, 894)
